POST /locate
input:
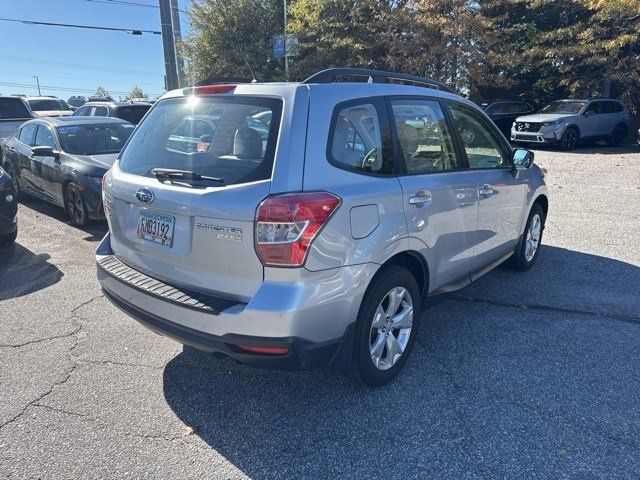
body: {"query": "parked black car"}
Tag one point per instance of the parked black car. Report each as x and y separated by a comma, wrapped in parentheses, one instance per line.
(8, 209)
(62, 160)
(132, 112)
(504, 113)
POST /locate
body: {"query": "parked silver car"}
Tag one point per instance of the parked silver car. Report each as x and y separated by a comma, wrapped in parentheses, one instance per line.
(316, 245)
(567, 122)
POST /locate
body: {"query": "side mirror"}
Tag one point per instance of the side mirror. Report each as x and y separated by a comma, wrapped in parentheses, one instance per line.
(589, 113)
(522, 159)
(45, 152)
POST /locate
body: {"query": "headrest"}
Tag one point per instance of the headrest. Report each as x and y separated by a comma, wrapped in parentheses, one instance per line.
(247, 143)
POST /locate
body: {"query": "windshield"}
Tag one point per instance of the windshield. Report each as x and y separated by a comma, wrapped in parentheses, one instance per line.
(571, 108)
(132, 114)
(13, 108)
(94, 139)
(48, 104)
(216, 136)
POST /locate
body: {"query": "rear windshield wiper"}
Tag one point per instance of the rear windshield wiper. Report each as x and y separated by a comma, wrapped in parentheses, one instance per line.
(169, 173)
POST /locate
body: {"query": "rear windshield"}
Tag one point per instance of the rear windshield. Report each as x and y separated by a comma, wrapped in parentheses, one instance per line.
(132, 114)
(571, 108)
(13, 108)
(219, 136)
(94, 139)
(47, 104)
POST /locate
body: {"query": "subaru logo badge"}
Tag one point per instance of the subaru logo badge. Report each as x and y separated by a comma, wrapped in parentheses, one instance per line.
(145, 195)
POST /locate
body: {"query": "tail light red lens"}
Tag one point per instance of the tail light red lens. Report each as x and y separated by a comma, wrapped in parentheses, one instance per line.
(287, 224)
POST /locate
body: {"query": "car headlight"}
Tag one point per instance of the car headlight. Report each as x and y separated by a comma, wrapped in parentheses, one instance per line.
(555, 122)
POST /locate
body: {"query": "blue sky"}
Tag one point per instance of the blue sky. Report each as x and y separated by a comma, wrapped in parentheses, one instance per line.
(63, 58)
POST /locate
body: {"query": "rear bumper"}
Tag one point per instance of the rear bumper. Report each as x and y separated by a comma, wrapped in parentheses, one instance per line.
(315, 327)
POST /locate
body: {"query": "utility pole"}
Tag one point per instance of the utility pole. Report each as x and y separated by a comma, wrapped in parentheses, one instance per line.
(38, 83)
(286, 54)
(171, 76)
(177, 37)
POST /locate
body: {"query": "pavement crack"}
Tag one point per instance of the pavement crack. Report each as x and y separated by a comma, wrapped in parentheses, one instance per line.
(40, 340)
(550, 308)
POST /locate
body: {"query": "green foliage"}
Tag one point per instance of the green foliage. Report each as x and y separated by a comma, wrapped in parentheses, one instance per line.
(232, 38)
(537, 50)
(102, 93)
(136, 93)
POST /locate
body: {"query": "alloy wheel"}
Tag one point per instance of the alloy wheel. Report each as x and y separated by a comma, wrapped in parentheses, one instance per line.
(391, 328)
(75, 207)
(533, 238)
(570, 139)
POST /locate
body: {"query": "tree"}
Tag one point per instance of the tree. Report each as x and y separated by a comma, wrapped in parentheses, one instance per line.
(233, 38)
(136, 93)
(102, 93)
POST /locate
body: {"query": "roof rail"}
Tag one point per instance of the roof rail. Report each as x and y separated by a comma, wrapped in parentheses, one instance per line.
(375, 76)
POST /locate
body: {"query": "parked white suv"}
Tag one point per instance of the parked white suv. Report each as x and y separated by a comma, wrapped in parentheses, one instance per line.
(305, 223)
(567, 122)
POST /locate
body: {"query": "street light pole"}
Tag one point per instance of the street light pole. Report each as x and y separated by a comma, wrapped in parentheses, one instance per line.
(38, 83)
(171, 76)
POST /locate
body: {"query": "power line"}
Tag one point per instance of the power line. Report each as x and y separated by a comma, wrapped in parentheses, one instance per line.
(64, 89)
(80, 66)
(132, 31)
(124, 2)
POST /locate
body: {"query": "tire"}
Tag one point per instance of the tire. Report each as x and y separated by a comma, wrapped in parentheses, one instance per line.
(8, 167)
(74, 206)
(8, 238)
(569, 139)
(618, 136)
(390, 281)
(522, 259)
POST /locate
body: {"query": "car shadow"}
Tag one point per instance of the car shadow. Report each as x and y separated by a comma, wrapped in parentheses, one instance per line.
(23, 272)
(487, 379)
(95, 230)
(591, 149)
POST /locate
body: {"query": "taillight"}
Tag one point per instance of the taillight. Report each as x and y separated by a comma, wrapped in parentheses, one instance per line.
(104, 180)
(287, 224)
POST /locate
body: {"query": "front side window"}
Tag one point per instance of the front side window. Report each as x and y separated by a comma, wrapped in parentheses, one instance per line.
(94, 139)
(356, 141)
(82, 111)
(44, 138)
(27, 134)
(209, 135)
(480, 143)
(424, 137)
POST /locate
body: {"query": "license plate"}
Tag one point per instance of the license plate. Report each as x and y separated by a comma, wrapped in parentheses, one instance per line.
(156, 227)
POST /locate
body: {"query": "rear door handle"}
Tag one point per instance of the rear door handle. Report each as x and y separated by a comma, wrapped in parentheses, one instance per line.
(420, 198)
(486, 190)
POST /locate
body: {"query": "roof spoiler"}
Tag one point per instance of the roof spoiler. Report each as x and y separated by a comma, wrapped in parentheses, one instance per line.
(375, 76)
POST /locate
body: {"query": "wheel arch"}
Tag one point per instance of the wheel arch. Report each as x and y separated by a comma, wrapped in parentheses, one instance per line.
(543, 201)
(417, 266)
(575, 127)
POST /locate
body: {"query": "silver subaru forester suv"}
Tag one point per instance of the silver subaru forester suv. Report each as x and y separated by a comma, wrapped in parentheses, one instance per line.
(302, 225)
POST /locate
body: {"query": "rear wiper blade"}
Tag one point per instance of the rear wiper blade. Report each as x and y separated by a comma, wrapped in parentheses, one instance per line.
(169, 173)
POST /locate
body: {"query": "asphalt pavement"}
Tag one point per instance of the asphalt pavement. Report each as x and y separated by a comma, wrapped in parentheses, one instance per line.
(518, 376)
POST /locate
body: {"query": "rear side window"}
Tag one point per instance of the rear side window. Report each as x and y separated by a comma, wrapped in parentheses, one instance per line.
(11, 108)
(355, 140)
(132, 114)
(27, 134)
(210, 135)
(82, 112)
(425, 139)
